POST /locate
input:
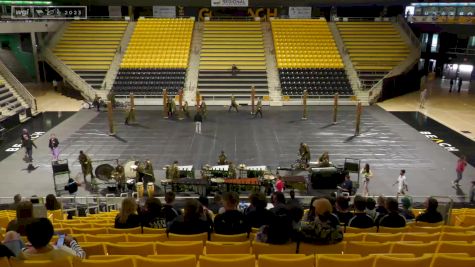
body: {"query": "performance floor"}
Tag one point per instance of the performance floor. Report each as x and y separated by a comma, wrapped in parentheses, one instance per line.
(386, 143)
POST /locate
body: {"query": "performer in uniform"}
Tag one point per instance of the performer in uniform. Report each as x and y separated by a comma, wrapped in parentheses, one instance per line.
(259, 108)
(304, 153)
(119, 176)
(173, 106)
(233, 104)
(222, 159)
(185, 109)
(140, 171)
(324, 160)
(97, 102)
(149, 170)
(174, 172)
(128, 114)
(86, 165)
(232, 170)
(203, 108)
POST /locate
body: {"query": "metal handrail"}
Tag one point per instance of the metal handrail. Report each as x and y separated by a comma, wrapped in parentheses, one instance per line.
(74, 78)
(18, 87)
(403, 23)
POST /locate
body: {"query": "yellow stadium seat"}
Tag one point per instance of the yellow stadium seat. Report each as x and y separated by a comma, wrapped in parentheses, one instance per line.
(354, 237)
(67, 231)
(360, 230)
(366, 248)
(264, 248)
(285, 260)
(425, 229)
(106, 238)
(467, 236)
(146, 237)
(383, 237)
(207, 261)
(147, 230)
(338, 248)
(198, 237)
(93, 248)
(453, 229)
(229, 238)
(135, 248)
(39, 263)
(455, 247)
(418, 249)
(180, 247)
(136, 230)
(357, 261)
(393, 230)
(117, 262)
(452, 261)
(91, 231)
(423, 237)
(176, 261)
(388, 261)
(228, 247)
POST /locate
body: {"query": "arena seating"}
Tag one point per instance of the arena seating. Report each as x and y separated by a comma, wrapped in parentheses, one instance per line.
(307, 58)
(375, 48)
(228, 43)
(88, 48)
(8, 102)
(156, 58)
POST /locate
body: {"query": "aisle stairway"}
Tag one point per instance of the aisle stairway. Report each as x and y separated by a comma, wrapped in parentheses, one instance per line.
(375, 48)
(10, 101)
(88, 48)
(228, 43)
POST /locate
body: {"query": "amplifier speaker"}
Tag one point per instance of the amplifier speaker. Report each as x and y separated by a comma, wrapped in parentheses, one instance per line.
(60, 167)
(352, 166)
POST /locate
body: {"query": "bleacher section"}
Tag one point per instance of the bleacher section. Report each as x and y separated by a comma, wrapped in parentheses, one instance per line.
(156, 58)
(375, 48)
(307, 58)
(9, 104)
(228, 43)
(88, 48)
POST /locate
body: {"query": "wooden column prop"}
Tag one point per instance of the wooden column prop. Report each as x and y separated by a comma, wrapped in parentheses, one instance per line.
(165, 104)
(132, 108)
(305, 95)
(335, 108)
(198, 99)
(110, 117)
(180, 102)
(253, 96)
(359, 110)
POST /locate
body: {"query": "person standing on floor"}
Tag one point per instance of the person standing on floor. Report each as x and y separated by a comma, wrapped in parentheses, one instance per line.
(28, 144)
(367, 174)
(55, 85)
(423, 98)
(203, 108)
(451, 85)
(459, 85)
(259, 108)
(53, 145)
(186, 110)
(22, 137)
(233, 104)
(86, 165)
(461, 164)
(401, 183)
(198, 120)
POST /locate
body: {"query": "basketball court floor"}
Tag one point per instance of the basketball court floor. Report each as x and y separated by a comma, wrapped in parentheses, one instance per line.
(388, 142)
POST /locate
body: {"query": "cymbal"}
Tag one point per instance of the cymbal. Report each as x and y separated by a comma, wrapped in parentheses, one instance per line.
(269, 177)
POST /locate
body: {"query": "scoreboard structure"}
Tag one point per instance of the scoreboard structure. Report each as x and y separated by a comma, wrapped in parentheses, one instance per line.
(49, 12)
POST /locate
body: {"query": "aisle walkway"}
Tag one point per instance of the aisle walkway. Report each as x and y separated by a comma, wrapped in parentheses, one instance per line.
(49, 100)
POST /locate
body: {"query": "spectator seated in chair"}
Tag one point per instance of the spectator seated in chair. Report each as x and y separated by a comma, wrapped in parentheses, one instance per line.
(393, 219)
(232, 221)
(430, 215)
(361, 218)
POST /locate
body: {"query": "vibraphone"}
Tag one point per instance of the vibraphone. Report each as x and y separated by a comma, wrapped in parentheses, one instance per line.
(197, 185)
(296, 182)
(232, 184)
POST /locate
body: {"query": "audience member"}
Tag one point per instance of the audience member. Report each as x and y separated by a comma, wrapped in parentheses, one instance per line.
(278, 200)
(346, 186)
(392, 219)
(11, 245)
(152, 215)
(216, 204)
(370, 208)
(280, 230)
(430, 215)
(24, 215)
(52, 203)
(258, 215)
(406, 210)
(16, 201)
(343, 210)
(310, 215)
(293, 201)
(169, 211)
(325, 229)
(208, 215)
(360, 219)
(232, 221)
(191, 221)
(127, 217)
(381, 210)
(39, 233)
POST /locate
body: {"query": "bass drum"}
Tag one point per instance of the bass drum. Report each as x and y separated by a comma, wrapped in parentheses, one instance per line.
(104, 171)
(129, 169)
